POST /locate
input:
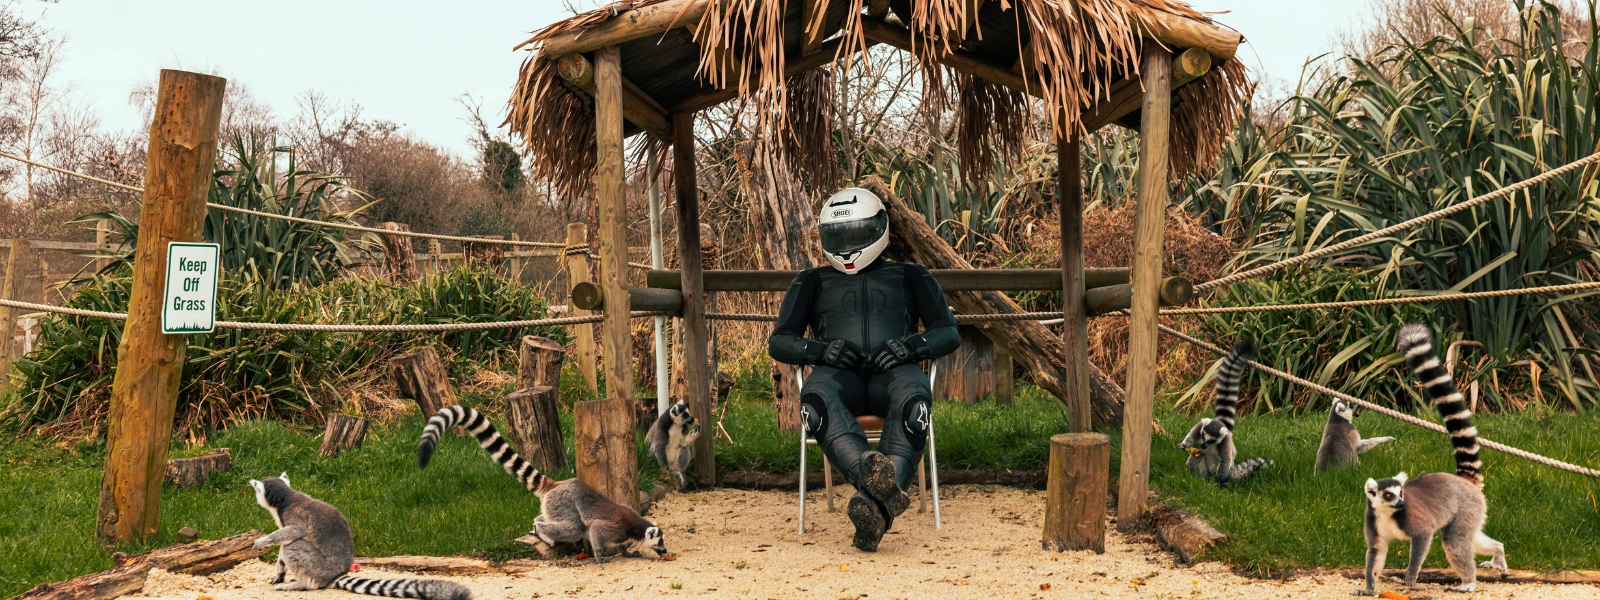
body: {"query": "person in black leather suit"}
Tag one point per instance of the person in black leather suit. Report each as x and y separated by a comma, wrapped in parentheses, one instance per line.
(864, 346)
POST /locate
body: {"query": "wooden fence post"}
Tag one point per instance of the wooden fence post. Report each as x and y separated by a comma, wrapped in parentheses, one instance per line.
(1148, 225)
(1075, 321)
(436, 255)
(16, 277)
(695, 334)
(516, 259)
(397, 252)
(420, 376)
(144, 393)
(102, 238)
(1075, 501)
(578, 272)
(603, 434)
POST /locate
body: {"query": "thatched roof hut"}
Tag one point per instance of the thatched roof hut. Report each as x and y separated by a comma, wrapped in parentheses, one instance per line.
(1078, 58)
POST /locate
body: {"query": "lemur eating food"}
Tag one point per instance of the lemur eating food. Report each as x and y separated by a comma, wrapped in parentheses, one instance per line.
(674, 431)
(570, 512)
(318, 549)
(1210, 442)
(1415, 508)
(1341, 443)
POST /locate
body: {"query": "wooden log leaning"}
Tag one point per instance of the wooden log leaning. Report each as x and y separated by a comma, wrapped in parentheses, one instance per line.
(192, 471)
(1033, 344)
(342, 431)
(1188, 535)
(604, 438)
(1075, 500)
(420, 376)
(534, 424)
(397, 252)
(129, 574)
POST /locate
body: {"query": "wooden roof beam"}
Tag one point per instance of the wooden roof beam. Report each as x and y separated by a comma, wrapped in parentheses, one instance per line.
(1182, 32)
(627, 26)
(637, 107)
(1127, 94)
(879, 31)
(814, 16)
(794, 66)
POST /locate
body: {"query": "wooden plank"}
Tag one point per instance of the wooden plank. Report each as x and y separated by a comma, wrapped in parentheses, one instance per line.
(951, 280)
(696, 372)
(1075, 319)
(969, 373)
(63, 246)
(611, 196)
(578, 272)
(637, 107)
(1126, 94)
(1149, 219)
(603, 434)
(1005, 381)
(626, 26)
(792, 66)
(16, 277)
(144, 393)
(1075, 496)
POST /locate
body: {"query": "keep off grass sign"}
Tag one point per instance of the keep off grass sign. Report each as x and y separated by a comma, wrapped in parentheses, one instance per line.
(191, 296)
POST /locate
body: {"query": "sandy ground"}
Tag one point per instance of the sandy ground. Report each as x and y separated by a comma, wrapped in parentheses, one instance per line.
(740, 544)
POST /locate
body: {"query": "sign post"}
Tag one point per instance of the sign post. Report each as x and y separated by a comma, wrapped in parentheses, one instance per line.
(191, 296)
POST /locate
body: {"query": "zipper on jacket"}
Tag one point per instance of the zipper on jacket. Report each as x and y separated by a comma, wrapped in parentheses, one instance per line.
(865, 306)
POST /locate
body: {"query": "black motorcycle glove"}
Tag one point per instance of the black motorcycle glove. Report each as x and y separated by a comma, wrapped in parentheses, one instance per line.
(838, 354)
(893, 353)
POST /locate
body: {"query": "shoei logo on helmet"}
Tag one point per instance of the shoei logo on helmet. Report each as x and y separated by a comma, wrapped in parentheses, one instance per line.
(843, 212)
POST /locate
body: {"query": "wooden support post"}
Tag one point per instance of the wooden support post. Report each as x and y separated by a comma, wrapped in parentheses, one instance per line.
(696, 373)
(192, 471)
(1075, 322)
(533, 421)
(420, 376)
(516, 260)
(578, 272)
(611, 195)
(1075, 502)
(436, 255)
(813, 23)
(12, 289)
(603, 433)
(1148, 225)
(397, 252)
(102, 239)
(144, 393)
(342, 431)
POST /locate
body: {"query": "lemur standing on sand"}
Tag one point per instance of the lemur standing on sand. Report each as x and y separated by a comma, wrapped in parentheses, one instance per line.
(1210, 442)
(570, 511)
(1451, 503)
(318, 549)
(1341, 443)
(670, 438)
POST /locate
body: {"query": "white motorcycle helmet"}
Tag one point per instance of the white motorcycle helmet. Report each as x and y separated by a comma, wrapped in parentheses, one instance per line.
(854, 228)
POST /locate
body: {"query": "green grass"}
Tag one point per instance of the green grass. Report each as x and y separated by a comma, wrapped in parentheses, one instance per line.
(1286, 517)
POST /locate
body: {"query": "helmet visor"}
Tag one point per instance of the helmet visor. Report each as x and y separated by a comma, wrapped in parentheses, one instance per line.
(845, 237)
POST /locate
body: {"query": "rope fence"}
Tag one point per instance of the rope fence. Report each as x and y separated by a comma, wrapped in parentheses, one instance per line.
(1517, 452)
(341, 328)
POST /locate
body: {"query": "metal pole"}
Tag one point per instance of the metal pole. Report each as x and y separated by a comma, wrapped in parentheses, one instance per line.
(658, 262)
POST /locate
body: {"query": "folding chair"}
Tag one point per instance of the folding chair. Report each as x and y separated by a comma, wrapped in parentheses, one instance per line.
(873, 427)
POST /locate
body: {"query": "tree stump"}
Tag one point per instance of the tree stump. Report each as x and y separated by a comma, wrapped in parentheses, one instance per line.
(607, 453)
(397, 252)
(534, 423)
(420, 376)
(539, 362)
(1188, 535)
(190, 472)
(1075, 501)
(343, 431)
(492, 254)
(786, 396)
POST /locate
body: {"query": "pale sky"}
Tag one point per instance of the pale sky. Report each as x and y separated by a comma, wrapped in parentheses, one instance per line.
(405, 60)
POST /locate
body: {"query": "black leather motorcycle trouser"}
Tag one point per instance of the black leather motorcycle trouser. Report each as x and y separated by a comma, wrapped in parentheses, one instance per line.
(832, 398)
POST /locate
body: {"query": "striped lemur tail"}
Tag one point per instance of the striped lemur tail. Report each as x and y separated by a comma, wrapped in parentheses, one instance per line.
(1228, 382)
(1416, 343)
(480, 427)
(428, 589)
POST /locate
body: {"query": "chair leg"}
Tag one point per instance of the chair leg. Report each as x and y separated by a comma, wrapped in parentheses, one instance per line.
(802, 518)
(827, 480)
(922, 488)
(933, 465)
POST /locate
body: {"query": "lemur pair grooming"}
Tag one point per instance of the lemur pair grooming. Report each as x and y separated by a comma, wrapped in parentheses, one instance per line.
(1415, 508)
(317, 549)
(1210, 442)
(670, 438)
(570, 512)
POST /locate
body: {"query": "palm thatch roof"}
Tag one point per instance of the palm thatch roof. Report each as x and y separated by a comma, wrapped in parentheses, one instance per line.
(988, 59)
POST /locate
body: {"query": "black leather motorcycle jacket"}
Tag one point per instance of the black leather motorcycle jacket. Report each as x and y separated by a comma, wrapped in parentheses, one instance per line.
(884, 301)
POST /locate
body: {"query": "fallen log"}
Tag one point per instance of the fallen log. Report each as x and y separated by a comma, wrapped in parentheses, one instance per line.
(1038, 349)
(129, 574)
(192, 471)
(1447, 576)
(752, 480)
(1188, 535)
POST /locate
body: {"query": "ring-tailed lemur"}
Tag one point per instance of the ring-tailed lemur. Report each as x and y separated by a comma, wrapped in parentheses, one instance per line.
(1210, 442)
(1452, 503)
(317, 549)
(570, 512)
(1341, 443)
(670, 438)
